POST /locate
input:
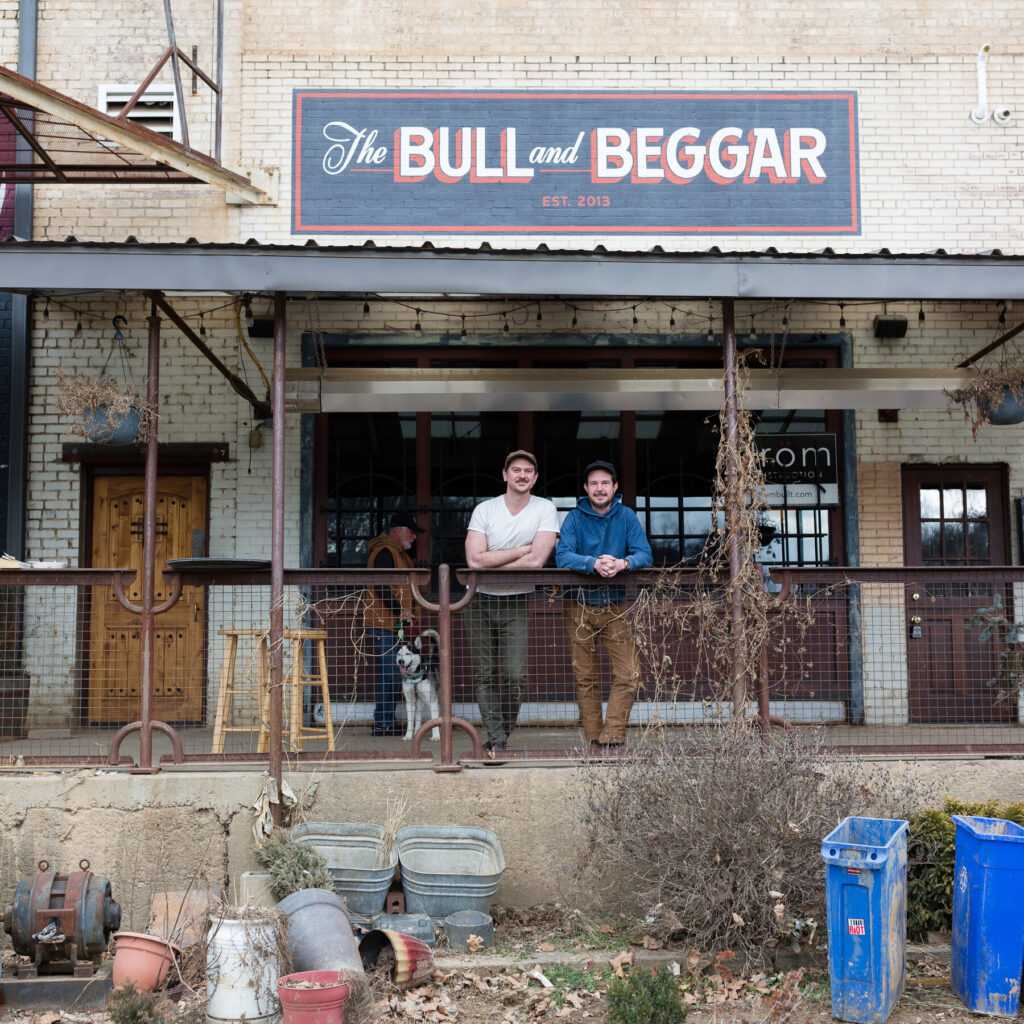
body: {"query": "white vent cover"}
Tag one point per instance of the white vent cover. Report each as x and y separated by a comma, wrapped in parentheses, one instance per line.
(156, 109)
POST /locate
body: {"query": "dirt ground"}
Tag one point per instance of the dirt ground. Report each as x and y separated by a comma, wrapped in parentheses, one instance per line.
(545, 968)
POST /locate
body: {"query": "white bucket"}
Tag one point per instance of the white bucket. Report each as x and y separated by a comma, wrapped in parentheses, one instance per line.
(242, 968)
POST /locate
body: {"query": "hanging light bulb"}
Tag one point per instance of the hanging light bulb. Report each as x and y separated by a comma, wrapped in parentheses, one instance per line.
(463, 326)
(574, 320)
(418, 325)
(1002, 314)
(539, 316)
(635, 321)
(920, 313)
(711, 332)
(46, 310)
(842, 316)
(78, 326)
(202, 327)
(505, 328)
(247, 317)
(366, 308)
(672, 317)
(753, 332)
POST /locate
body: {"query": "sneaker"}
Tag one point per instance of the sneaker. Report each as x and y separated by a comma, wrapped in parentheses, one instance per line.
(387, 730)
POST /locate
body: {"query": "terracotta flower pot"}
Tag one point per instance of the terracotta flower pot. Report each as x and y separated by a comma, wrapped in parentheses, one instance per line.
(313, 997)
(414, 959)
(144, 959)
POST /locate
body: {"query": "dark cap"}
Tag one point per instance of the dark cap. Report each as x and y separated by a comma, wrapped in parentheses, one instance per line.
(521, 453)
(406, 519)
(600, 464)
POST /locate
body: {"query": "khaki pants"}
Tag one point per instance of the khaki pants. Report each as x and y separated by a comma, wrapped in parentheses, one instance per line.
(584, 624)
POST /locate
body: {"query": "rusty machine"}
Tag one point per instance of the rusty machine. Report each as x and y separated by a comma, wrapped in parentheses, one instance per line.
(63, 922)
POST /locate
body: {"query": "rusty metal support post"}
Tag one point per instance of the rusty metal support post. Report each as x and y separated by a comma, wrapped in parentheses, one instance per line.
(733, 513)
(763, 716)
(277, 553)
(149, 540)
(444, 668)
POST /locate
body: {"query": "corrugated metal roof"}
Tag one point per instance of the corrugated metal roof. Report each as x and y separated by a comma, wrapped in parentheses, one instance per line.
(304, 267)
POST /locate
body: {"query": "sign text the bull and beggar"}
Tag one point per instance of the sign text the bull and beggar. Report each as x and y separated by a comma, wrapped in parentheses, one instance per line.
(580, 162)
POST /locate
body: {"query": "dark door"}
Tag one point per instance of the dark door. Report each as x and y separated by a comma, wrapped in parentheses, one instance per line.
(954, 516)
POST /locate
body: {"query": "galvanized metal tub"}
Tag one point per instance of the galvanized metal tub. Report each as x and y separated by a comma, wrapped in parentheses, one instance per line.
(449, 868)
(354, 855)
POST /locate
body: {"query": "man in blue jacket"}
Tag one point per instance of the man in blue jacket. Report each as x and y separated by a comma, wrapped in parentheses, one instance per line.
(603, 537)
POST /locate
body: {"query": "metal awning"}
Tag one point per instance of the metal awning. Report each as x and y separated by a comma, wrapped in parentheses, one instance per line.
(27, 266)
(64, 141)
(490, 390)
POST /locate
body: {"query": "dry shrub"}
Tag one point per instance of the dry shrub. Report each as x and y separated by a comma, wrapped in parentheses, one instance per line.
(720, 834)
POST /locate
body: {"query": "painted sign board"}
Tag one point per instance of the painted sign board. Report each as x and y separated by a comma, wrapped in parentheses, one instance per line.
(800, 470)
(681, 163)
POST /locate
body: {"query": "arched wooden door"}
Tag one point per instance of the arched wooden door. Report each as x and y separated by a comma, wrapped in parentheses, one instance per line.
(113, 684)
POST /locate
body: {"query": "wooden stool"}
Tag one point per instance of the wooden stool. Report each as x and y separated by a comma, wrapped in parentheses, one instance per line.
(297, 732)
(230, 687)
(292, 686)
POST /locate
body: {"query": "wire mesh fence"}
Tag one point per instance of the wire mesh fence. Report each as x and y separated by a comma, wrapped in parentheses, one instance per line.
(883, 660)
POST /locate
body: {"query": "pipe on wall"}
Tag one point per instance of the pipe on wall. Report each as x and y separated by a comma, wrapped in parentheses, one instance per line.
(17, 460)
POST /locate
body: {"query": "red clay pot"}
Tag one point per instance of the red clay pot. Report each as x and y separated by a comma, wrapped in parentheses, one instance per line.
(325, 1005)
(144, 959)
(414, 959)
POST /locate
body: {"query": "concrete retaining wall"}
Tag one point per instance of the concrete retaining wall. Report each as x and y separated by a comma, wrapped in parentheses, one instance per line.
(151, 833)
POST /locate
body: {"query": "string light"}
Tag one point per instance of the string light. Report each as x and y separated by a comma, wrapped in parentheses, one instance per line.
(366, 308)
(711, 332)
(202, 327)
(920, 313)
(46, 310)
(78, 326)
(672, 317)
(539, 315)
(418, 326)
(842, 316)
(753, 332)
(635, 321)
(574, 320)
(505, 328)
(1002, 314)
(463, 326)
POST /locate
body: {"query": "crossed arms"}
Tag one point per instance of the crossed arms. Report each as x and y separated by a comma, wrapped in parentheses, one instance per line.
(527, 556)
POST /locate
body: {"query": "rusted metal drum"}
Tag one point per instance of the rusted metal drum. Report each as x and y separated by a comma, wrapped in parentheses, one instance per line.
(62, 921)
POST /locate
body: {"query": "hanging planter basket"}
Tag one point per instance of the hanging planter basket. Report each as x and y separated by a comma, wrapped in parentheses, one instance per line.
(103, 409)
(1003, 413)
(103, 426)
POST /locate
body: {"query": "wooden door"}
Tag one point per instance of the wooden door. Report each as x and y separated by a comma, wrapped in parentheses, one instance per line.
(114, 672)
(953, 516)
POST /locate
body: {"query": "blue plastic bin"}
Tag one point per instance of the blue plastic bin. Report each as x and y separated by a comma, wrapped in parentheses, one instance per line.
(866, 893)
(988, 914)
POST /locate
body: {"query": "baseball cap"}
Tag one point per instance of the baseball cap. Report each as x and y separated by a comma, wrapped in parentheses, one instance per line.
(406, 519)
(521, 453)
(600, 464)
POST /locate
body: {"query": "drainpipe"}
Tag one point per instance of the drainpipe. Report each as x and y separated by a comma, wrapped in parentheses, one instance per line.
(979, 115)
(17, 460)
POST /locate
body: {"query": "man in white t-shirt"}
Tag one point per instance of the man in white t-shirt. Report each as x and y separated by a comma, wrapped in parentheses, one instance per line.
(516, 530)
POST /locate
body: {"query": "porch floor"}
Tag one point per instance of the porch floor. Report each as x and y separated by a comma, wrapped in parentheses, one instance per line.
(528, 743)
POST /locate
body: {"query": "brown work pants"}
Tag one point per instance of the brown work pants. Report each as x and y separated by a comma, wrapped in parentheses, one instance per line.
(584, 624)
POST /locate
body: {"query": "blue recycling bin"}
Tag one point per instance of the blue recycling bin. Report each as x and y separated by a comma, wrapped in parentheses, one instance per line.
(988, 914)
(866, 894)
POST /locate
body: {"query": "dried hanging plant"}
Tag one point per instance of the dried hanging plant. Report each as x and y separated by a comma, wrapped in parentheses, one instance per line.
(99, 406)
(985, 392)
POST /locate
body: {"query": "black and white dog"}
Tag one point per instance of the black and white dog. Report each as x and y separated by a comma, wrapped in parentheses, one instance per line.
(417, 661)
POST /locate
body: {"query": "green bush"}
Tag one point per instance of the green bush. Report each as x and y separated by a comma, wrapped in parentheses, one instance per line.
(130, 1006)
(646, 997)
(930, 856)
